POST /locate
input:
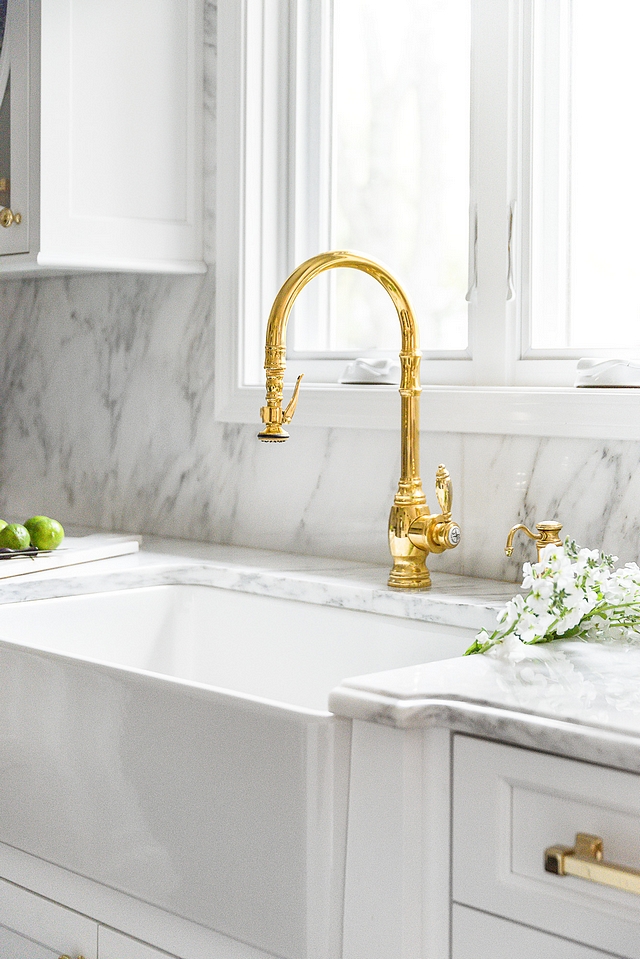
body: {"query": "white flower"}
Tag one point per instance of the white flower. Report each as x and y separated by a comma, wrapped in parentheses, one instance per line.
(540, 594)
(570, 591)
(512, 612)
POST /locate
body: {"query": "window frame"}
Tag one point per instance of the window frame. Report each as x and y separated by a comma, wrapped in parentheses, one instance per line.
(258, 174)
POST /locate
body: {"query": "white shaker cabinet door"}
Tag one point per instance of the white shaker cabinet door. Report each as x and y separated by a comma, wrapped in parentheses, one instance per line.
(35, 928)
(115, 945)
(477, 935)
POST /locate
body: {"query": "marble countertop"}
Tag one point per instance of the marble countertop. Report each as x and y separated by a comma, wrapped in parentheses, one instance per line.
(576, 699)
(570, 698)
(460, 601)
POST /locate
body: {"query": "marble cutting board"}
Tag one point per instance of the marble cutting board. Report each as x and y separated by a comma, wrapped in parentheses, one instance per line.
(74, 549)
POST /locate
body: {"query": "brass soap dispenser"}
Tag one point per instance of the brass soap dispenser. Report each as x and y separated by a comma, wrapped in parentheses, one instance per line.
(548, 535)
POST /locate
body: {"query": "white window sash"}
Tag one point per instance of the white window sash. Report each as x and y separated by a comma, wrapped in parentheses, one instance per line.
(497, 391)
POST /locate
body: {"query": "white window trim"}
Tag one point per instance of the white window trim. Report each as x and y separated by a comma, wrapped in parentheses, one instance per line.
(252, 143)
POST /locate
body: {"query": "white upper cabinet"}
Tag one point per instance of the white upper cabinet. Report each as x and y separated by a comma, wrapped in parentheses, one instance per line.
(111, 156)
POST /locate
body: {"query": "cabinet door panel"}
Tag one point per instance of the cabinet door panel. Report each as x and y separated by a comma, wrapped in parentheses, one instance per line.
(479, 936)
(510, 804)
(115, 945)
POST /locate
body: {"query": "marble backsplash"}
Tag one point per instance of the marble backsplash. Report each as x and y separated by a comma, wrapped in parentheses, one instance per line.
(107, 420)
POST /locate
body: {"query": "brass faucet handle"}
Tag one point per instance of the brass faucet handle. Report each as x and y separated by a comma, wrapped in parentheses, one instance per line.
(289, 410)
(444, 490)
(436, 533)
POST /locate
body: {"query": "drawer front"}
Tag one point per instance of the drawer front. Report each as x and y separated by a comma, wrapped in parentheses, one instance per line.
(511, 804)
(42, 927)
(475, 935)
(115, 945)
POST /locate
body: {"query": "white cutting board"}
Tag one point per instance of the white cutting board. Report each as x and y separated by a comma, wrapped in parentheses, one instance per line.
(74, 549)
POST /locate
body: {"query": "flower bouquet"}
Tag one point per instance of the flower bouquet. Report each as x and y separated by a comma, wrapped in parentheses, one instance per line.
(572, 593)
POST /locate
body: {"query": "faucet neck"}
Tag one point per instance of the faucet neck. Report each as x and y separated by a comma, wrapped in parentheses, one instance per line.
(409, 486)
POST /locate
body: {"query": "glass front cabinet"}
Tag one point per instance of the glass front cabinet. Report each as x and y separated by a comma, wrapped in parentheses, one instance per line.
(14, 125)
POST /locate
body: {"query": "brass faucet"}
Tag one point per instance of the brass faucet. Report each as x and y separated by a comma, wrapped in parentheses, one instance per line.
(413, 531)
(548, 535)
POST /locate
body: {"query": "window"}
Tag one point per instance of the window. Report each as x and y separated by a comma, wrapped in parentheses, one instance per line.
(585, 252)
(398, 184)
(501, 209)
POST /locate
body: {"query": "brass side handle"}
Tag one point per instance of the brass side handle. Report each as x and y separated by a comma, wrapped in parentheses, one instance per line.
(435, 533)
(7, 217)
(69, 957)
(585, 861)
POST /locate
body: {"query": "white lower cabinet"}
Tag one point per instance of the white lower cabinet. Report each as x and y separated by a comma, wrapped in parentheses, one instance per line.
(32, 927)
(512, 808)
(475, 935)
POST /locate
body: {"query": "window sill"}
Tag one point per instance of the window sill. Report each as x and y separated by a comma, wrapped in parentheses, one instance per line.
(528, 411)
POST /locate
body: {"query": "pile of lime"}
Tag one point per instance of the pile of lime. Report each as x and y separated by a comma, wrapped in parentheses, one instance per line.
(39, 531)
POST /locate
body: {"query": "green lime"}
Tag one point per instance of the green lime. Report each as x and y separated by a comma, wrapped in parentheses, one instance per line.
(14, 536)
(3, 524)
(45, 533)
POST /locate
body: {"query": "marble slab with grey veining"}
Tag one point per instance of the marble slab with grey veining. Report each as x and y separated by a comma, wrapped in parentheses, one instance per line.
(107, 418)
(575, 699)
(569, 698)
(453, 601)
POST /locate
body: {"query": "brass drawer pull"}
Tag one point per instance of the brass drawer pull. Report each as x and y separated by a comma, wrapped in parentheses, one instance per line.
(585, 862)
(7, 217)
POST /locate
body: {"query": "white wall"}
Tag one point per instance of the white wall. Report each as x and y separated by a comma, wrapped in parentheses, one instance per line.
(106, 419)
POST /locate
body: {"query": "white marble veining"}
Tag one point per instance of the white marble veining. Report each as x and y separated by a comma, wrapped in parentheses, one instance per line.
(571, 698)
(454, 601)
(107, 420)
(576, 699)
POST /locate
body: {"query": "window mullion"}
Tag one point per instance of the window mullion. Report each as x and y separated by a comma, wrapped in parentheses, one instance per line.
(491, 330)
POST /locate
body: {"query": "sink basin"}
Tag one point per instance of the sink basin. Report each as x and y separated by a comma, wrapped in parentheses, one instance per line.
(174, 742)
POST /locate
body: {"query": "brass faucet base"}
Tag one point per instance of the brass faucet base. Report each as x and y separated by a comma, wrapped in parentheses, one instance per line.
(409, 576)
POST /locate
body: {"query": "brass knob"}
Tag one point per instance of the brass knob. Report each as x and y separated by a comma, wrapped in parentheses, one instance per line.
(7, 217)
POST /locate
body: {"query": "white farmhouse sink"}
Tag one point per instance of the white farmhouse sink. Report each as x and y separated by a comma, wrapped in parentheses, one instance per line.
(174, 742)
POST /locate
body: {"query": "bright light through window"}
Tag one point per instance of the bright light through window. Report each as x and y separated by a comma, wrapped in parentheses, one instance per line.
(586, 270)
(400, 179)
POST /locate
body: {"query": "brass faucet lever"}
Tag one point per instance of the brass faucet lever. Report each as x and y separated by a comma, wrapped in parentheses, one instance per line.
(413, 531)
(548, 535)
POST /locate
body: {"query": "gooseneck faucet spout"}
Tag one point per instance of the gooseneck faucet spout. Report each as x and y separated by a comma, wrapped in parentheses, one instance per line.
(413, 531)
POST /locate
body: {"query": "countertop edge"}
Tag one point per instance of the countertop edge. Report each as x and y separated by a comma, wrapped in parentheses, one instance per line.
(575, 739)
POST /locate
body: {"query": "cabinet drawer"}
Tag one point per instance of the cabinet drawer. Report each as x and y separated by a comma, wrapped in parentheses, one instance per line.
(475, 935)
(510, 804)
(115, 945)
(49, 929)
